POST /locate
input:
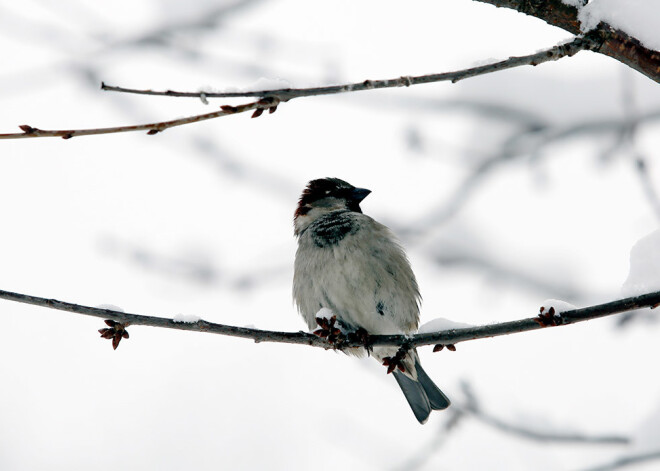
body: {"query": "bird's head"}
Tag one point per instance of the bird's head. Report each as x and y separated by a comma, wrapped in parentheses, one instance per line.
(326, 195)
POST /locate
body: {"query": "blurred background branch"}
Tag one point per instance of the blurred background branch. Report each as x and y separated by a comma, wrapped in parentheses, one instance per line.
(468, 408)
(626, 461)
(472, 407)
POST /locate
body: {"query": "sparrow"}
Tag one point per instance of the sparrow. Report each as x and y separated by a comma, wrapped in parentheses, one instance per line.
(354, 266)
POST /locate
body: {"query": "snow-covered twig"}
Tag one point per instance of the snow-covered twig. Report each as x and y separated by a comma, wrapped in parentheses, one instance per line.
(447, 337)
(151, 128)
(612, 42)
(551, 54)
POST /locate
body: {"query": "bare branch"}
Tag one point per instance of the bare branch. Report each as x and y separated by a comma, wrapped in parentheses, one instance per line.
(552, 54)
(151, 128)
(447, 337)
(613, 43)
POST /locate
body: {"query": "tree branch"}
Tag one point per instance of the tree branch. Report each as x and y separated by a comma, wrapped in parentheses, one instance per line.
(269, 99)
(614, 43)
(446, 337)
(284, 94)
(152, 128)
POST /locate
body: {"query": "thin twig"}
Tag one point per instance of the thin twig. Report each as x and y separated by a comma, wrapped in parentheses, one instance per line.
(446, 337)
(269, 99)
(552, 54)
(152, 128)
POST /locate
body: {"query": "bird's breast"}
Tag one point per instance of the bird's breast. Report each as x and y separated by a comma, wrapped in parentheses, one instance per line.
(330, 230)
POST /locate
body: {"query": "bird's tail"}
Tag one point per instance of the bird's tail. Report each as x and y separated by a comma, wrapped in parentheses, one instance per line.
(422, 394)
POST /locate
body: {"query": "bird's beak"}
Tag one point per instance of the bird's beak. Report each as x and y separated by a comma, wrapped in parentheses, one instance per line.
(359, 194)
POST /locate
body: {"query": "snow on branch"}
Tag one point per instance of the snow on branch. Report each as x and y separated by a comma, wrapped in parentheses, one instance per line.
(284, 94)
(613, 42)
(118, 321)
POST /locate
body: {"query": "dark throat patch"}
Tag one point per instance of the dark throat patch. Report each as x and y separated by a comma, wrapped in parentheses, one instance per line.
(329, 230)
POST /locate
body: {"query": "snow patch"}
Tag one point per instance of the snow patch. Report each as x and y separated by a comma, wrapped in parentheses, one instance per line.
(324, 313)
(560, 306)
(439, 324)
(574, 3)
(644, 275)
(186, 318)
(264, 83)
(260, 84)
(110, 307)
(638, 18)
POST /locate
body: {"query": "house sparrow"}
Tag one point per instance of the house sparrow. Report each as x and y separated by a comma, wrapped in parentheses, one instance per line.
(352, 265)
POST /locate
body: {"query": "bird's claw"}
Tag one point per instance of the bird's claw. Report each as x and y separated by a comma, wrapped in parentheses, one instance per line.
(361, 337)
(335, 333)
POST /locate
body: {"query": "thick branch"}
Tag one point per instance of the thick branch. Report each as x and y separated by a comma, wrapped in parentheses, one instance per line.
(284, 94)
(152, 128)
(613, 43)
(446, 337)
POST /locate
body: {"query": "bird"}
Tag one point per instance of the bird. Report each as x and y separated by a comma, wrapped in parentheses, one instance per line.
(350, 264)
